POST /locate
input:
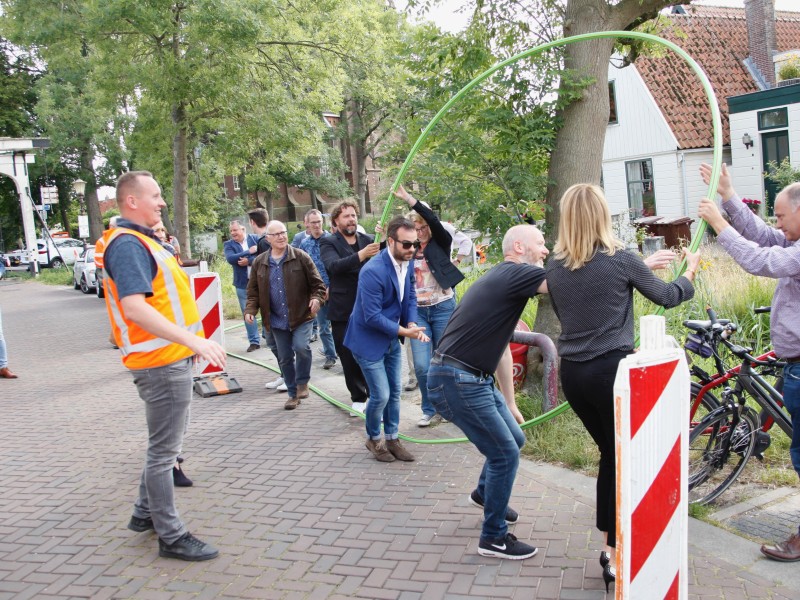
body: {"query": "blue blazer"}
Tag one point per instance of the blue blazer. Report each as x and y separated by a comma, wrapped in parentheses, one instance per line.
(378, 311)
(233, 252)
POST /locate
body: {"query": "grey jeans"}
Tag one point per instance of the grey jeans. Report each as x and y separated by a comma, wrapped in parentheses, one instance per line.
(167, 393)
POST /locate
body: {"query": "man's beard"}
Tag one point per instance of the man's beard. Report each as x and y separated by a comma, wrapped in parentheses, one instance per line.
(349, 230)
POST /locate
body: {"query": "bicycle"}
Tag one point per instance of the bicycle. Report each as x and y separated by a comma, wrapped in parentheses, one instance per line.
(727, 431)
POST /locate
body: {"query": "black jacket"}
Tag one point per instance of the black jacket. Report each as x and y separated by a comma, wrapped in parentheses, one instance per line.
(437, 252)
(343, 266)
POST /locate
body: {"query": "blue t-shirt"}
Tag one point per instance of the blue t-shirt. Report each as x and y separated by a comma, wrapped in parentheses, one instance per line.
(133, 264)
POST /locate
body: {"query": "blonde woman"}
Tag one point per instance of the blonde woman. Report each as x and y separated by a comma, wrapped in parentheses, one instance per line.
(591, 279)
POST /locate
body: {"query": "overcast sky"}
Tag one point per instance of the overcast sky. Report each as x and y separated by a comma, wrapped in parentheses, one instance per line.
(447, 15)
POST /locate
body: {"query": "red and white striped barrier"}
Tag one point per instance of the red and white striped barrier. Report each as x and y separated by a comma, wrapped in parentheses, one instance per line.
(207, 293)
(652, 429)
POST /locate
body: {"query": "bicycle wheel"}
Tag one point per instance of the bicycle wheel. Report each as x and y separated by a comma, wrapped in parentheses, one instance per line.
(718, 453)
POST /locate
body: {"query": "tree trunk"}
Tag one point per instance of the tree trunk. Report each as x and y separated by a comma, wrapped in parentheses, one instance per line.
(90, 198)
(578, 153)
(180, 179)
(358, 153)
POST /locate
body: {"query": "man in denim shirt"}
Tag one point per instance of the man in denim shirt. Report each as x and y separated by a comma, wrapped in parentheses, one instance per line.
(310, 245)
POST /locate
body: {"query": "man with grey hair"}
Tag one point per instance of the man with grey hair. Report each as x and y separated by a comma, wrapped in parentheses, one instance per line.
(240, 251)
(461, 380)
(769, 252)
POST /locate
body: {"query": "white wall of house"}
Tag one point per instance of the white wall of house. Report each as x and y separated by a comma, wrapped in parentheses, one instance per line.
(746, 167)
(642, 132)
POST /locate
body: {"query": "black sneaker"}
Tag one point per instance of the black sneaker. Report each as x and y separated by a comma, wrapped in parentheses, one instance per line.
(508, 547)
(140, 525)
(475, 499)
(187, 547)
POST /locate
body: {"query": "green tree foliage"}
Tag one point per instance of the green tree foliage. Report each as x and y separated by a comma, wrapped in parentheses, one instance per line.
(783, 174)
(485, 163)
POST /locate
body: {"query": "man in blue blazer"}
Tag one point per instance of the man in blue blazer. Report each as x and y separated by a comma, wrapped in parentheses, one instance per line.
(385, 310)
(240, 251)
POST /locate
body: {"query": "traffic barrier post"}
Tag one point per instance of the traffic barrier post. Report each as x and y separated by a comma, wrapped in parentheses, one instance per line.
(652, 430)
(207, 292)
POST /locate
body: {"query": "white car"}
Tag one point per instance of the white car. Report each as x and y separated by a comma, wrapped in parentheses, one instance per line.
(84, 272)
(55, 253)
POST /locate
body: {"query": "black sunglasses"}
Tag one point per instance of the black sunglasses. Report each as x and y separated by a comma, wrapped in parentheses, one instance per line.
(406, 244)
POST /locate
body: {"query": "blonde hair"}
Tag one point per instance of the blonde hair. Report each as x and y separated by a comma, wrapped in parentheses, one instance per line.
(415, 217)
(584, 227)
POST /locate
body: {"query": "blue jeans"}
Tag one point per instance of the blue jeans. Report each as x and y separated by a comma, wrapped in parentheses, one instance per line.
(479, 410)
(167, 393)
(3, 354)
(791, 399)
(384, 381)
(251, 328)
(434, 319)
(325, 333)
(294, 355)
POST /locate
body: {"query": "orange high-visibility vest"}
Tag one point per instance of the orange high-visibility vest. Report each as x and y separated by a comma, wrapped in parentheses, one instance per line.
(99, 247)
(172, 297)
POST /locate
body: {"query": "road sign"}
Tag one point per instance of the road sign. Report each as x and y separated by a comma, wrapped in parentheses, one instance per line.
(49, 194)
(83, 226)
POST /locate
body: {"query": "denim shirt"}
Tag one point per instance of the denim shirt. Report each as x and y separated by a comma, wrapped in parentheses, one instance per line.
(310, 245)
(279, 311)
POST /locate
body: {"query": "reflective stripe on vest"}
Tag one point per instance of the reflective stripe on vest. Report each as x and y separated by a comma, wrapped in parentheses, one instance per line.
(172, 297)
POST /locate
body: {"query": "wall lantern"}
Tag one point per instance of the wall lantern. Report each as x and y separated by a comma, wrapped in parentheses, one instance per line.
(747, 140)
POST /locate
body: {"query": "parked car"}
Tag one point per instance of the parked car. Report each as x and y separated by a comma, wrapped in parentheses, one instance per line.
(83, 272)
(98, 276)
(55, 253)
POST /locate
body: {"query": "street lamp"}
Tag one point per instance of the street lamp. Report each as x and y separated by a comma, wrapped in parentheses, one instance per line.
(79, 187)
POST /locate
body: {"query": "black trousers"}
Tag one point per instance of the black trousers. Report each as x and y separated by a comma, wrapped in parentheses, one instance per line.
(353, 377)
(589, 389)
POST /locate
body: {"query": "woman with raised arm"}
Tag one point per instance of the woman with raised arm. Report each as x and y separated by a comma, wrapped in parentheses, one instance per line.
(591, 278)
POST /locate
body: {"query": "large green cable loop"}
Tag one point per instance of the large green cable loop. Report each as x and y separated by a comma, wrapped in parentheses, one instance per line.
(716, 166)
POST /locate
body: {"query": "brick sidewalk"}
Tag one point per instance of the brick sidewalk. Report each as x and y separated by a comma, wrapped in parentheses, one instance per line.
(293, 500)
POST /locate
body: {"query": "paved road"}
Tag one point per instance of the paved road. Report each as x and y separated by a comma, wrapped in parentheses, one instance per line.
(295, 503)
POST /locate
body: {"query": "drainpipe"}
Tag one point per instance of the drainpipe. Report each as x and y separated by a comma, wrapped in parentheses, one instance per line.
(682, 158)
(550, 356)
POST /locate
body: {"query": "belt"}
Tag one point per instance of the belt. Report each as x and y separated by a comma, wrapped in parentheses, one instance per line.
(796, 359)
(447, 361)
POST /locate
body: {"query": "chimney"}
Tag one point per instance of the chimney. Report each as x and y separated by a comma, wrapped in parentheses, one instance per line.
(760, 16)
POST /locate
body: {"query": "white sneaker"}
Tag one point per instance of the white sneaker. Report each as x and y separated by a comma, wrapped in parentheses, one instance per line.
(282, 388)
(429, 420)
(275, 383)
(359, 407)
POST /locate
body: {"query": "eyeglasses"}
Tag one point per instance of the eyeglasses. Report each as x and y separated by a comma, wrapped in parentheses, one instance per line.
(406, 244)
(278, 233)
(315, 222)
(160, 229)
(421, 229)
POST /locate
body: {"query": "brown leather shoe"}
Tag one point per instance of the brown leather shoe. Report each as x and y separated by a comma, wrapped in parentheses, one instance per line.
(398, 451)
(292, 403)
(7, 374)
(788, 551)
(302, 390)
(379, 451)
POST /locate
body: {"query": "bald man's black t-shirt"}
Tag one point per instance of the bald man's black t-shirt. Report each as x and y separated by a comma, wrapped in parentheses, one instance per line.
(482, 324)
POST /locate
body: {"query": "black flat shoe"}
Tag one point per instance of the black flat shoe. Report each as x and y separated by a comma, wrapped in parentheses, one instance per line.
(180, 479)
(605, 558)
(609, 575)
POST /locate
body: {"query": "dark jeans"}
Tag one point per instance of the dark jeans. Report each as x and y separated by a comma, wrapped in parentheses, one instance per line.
(791, 399)
(353, 377)
(589, 389)
(479, 410)
(294, 354)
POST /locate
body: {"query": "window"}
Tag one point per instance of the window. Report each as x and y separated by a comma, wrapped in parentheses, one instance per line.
(641, 194)
(236, 183)
(772, 119)
(612, 104)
